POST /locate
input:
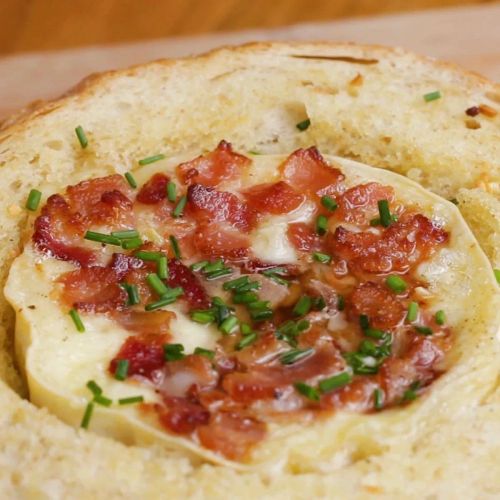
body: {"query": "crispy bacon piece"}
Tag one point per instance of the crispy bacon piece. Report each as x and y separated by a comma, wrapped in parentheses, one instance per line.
(181, 416)
(153, 322)
(214, 167)
(93, 289)
(358, 205)
(212, 241)
(154, 190)
(194, 293)
(264, 382)
(144, 354)
(378, 303)
(208, 205)
(57, 232)
(356, 396)
(404, 243)
(231, 434)
(303, 237)
(278, 198)
(308, 172)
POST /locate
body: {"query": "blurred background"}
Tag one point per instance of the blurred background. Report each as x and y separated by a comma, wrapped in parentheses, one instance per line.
(46, 46)
(33, 25)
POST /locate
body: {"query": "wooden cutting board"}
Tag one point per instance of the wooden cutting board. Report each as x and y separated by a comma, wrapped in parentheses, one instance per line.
(469, 36)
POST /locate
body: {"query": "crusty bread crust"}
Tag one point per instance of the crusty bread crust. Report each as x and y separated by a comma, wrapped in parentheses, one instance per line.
(253, 96)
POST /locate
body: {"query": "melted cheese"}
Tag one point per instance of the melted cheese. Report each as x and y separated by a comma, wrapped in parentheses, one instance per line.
(58, 361)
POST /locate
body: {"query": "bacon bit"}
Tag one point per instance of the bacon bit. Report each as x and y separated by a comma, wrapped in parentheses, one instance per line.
(153, 322)
(308, 172)
(214, 241)
(122, 264)
(405, 242)
(194, 293)
(93, 289)
(144, 354)
(154, 191)
(472, 124)
(56, 230)
(213, 168)
(208, 205)
(359, 204)
(472, 111)
(357, 396)
(278, 198)
(180, 377)
(264, 349)
(487, 110)
(378, 303)
(265, 382)
(231, 434)
(303, 237)
(181, 416)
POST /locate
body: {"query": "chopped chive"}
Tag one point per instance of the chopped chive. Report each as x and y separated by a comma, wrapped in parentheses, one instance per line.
(173, 352)
(131, 180)
(213, 266)
(364, 321)
(94, 388)
(157, 284)
(133, 294)
(322, 257)
(107, 239)
(199, 266)
(424, 330)
(171, 191)
(329, 203)
(374, 333)
(294, 355)
(412, 314)
(245, 298)
(261, 315)
(236, 283)
(340, 302)
(411, 393)
(246, 341)
(303, 325)
(132, 244)
(375, 222)
(131, 400)
(378, 399)
(203, 317)
(200, 351)
(127, 234)
(87, 416)
(396, 283)
(318, 303)
(121, 371)
(102, 400)
(218, 274)
(304, 124)
(440, 317)
(335, 382)
(179, 208)
(151, 159)
(33, 200)
(497, 275)
(77, 320)
(162, 268)
(175, 246)
(302, 306)
(82, 138)
(321, 225)
(149, 256)
(245, 329)
(168, 298)
(228, 325)
(432, 96)
(307, 391)
(384, 212)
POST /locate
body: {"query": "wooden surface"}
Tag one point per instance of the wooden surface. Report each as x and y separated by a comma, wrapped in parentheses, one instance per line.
(34, 25)
(469, 36)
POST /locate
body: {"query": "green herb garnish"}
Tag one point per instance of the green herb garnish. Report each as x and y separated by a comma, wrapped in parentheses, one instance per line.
(121, 371)
(329, 203)
(131, 400)
(396, 283)
(412, 314)
(179, 208)
(304, 124)
(33, 200)
(322, 257)
(77, 320)
(87, 416)
(151, 159)
(171, 191)
(82, 138)
(106, 239)
(307, 391)
(440, 317)
(321, 225)
(335, 382)
(294, 355)
(432, 96)
(131, 180)
(173, 352)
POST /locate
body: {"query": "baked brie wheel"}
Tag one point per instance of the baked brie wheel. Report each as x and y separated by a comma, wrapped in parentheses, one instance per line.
(222, 297)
